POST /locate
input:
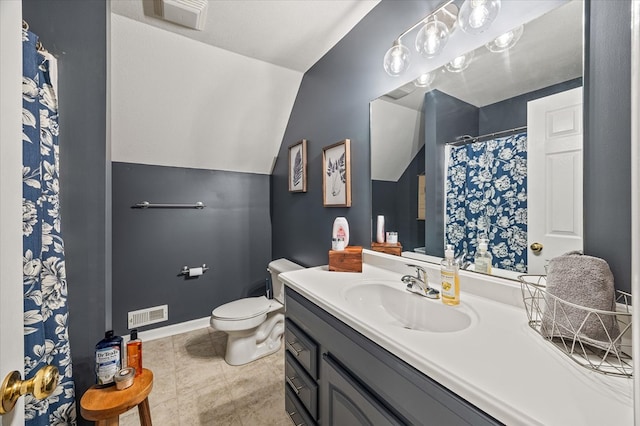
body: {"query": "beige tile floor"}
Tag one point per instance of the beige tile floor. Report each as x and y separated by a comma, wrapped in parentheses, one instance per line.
(193, 385)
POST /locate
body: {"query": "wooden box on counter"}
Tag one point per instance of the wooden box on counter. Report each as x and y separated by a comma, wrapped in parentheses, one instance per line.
(389, 248)
(347, 260)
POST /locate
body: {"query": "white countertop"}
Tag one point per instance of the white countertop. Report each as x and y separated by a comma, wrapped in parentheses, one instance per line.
(498, 363)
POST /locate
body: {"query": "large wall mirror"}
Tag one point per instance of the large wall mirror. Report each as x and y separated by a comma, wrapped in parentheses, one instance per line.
(489, 152)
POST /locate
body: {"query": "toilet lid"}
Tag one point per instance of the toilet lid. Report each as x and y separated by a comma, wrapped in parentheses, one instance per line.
(243, 308)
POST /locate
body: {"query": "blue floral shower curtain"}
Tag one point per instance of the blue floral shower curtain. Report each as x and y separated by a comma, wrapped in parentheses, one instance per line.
(486, 197)
(44, 278)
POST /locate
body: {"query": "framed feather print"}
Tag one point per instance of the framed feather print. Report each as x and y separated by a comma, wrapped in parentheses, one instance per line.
(298, 166)
(336, 174)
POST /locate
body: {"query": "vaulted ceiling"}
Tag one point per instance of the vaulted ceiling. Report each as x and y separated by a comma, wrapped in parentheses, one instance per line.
(219, 98)
(293, 34)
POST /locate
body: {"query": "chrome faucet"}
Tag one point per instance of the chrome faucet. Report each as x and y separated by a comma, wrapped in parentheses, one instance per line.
(461, 260)
(419, 284)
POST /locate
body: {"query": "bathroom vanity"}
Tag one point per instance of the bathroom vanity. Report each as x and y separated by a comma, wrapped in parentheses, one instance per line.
(349, 360)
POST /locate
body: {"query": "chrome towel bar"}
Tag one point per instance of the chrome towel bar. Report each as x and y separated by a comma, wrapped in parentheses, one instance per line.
(148, 205)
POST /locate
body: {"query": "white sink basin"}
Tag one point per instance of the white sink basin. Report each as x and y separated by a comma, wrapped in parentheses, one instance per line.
(393, 305)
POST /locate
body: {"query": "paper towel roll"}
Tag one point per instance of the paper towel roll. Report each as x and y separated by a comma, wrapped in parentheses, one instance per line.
(195, 272)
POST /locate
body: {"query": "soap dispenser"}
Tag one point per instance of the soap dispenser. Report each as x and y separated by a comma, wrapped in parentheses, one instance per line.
(483, 258)
(450, 279)
(340, 231)
(134, 352)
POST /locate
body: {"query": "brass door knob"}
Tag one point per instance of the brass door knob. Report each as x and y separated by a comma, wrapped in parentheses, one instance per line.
(536, 247)
(41, 386)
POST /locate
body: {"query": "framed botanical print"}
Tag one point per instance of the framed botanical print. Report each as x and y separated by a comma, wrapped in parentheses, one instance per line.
(336, 174)
(298, 166)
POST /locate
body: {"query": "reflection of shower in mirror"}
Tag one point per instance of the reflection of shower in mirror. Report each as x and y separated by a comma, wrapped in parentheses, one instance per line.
(410, 126)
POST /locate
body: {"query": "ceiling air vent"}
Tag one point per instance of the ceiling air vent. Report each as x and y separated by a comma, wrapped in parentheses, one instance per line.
(402, 91)
(188, 13)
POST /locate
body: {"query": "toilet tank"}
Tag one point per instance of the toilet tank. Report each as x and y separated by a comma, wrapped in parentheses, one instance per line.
(276, 267)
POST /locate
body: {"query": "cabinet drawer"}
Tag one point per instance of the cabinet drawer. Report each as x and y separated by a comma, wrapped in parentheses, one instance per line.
(295, 410)
(301, 384)
(302, 347)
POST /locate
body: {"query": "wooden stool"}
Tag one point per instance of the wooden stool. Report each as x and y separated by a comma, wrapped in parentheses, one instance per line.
(104, 405)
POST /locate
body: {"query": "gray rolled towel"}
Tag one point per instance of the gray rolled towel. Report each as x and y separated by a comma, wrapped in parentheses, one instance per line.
(586, 281)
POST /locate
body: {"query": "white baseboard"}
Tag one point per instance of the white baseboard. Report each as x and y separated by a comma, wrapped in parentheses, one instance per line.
(171, 330)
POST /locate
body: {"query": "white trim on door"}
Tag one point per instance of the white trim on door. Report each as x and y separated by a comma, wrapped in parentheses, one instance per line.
(11, 311)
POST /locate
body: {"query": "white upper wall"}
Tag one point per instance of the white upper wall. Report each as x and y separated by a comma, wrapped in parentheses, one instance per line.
(179, 102)
(395, 139)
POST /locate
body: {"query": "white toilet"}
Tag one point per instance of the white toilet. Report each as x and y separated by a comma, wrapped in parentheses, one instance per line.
(254, 324)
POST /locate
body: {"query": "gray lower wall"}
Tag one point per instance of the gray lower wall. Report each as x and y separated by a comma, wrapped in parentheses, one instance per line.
(512, 113)
(231, 235)
(410, 229)
(384, 200)
(398, 203)
(607, 148)
(75, 31)
(333, 103)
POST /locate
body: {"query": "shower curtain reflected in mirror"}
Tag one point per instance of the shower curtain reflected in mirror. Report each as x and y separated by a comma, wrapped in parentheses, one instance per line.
(44, 278)
(486, 197)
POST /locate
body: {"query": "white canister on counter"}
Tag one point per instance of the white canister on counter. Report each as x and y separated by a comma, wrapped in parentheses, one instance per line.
(392, 237)
(341, 230)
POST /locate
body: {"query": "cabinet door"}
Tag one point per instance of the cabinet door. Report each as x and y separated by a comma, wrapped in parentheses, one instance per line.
(346, 402)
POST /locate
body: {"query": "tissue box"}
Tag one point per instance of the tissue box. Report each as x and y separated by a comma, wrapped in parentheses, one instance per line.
(389, 248)
(347, 260)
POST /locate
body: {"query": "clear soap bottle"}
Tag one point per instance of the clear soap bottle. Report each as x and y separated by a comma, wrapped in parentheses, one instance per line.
(134, 352)
(483, 258)
(450, 279)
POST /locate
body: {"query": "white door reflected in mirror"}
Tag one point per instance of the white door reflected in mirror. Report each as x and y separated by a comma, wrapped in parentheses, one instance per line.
(555, 173)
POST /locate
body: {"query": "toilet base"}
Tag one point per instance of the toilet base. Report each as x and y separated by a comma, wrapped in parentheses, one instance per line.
(249, 345)
(240, 357)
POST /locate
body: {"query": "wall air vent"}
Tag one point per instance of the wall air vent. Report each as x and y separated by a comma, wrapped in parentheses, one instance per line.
(188, 13)
(148, 316)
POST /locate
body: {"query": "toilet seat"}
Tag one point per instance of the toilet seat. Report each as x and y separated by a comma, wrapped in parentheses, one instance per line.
(242, 309)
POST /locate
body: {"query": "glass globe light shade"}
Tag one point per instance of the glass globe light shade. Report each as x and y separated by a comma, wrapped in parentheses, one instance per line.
(424, 80)
(476, 16)
(396, 60)
(459, 63)
(432, 38)
(506, 41)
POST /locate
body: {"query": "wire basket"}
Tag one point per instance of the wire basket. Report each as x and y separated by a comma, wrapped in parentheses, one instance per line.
(571, 328)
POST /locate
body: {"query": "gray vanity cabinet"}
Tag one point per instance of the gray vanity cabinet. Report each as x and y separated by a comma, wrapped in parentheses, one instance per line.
(300, 375)
(346, 379)
(346, 402)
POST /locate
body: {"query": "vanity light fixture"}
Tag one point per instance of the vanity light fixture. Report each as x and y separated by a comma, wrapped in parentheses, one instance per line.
(506, 41)
(434, 34)
(460, 63)
(396, 60)
(476, 16)
(431, 39)
(425, 79)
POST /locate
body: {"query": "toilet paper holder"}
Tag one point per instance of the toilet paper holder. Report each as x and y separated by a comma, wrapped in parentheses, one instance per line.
(193, 272)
